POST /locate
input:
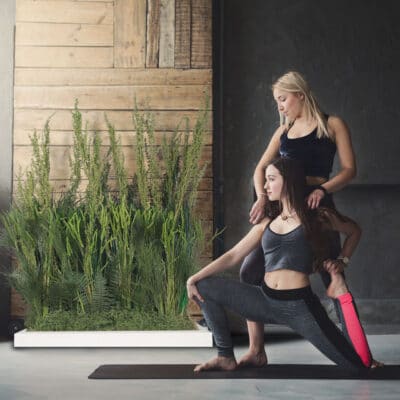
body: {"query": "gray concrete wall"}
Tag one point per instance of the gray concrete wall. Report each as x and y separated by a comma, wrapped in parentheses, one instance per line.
(349, 52)
(7, 21)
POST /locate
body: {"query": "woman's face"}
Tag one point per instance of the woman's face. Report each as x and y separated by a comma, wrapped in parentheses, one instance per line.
(273, 183)
(290, 104)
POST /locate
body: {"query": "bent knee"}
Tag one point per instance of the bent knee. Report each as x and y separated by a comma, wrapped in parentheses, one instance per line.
(206, 286)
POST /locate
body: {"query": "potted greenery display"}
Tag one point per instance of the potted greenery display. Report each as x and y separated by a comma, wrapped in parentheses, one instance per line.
(95, 259)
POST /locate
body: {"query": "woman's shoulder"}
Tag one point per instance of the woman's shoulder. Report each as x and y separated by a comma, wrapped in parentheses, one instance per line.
(334, 119)
(335, 125)
(262, 225)
(280, 131)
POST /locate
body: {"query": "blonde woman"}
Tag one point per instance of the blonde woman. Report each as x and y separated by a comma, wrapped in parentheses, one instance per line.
(313, 138)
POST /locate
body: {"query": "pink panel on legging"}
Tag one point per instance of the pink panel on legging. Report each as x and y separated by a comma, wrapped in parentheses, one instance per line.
(354, 328)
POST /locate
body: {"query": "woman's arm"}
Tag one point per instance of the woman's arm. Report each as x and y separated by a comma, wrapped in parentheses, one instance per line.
(345, 151)
(229, 259)
(258, 210)
(348, 170)
(352, 232)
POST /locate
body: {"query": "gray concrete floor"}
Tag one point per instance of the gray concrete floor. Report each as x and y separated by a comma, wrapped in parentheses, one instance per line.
(37, 374)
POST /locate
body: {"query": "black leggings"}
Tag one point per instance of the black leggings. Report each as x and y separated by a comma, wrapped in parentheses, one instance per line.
(300, 309)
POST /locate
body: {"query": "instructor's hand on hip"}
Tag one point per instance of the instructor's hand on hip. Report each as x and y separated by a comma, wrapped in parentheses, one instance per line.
(315, 198)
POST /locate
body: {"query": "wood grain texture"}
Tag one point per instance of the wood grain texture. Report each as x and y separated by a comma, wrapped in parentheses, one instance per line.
(167, 33)
(39, 34)
(153, 33)
(130, 33)
(111, 76)
(182, 33)
(18, 306)
(66, 138)
(64, 57)
(61, 185)
(61, 120)
(59, 160)
(201, 48)
(111, 97)
(64, 11)
(194, 309)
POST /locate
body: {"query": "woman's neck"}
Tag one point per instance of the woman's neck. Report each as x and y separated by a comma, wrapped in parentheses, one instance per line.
(286, 208)
(302, 119)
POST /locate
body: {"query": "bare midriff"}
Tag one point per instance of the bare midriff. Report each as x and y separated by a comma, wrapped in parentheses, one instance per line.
(315, 180)
(284, 279)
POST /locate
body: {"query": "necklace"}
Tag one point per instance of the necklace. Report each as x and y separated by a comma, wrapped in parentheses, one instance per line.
(285, 217)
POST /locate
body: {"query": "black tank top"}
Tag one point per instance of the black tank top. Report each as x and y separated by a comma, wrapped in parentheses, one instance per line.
(315, 154)
(291, 250)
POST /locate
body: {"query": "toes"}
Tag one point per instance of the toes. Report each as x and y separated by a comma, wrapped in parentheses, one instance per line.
(377, 364)
(198, 368)
(215, 365)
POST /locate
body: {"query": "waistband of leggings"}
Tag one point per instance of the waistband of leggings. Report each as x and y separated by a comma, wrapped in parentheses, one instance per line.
(288, 294)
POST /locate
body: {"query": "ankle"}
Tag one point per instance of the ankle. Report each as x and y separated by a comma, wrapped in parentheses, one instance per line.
(226, 357)
(227, 360)
(257, 349)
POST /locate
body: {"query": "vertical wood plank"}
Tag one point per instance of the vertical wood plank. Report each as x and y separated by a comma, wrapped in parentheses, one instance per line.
(182, 33)
(129, 33)
(201, 48)
(167, 33)
(153, 33)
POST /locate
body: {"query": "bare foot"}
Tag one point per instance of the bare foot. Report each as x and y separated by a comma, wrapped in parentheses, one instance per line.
(218, 363)
(337, 286)
(253, 359)
(377, 364)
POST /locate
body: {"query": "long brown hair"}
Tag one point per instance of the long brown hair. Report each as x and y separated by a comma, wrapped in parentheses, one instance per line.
(316, 222)
(294, 188)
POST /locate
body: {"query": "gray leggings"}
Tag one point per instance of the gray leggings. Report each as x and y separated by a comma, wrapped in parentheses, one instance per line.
(300, 309)
(252, 270)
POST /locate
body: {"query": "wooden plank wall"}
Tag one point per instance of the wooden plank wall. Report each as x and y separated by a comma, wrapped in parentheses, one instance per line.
(105, 54)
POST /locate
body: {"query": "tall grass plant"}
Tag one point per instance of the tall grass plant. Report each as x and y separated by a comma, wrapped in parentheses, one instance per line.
(102, 251)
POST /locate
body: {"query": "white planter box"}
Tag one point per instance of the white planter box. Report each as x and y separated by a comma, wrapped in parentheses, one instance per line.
(192, 338)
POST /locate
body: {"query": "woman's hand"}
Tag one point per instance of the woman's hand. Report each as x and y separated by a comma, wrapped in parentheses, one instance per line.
(314, 198)
(192, 291)
(334, 265)
(257, 212)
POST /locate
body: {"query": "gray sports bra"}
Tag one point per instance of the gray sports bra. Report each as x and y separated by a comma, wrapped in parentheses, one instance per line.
(291, 250)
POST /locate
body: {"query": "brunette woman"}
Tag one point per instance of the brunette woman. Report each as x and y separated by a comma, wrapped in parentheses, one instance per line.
(290, 236)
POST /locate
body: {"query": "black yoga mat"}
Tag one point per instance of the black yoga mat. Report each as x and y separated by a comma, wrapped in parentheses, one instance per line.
(272, 371)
